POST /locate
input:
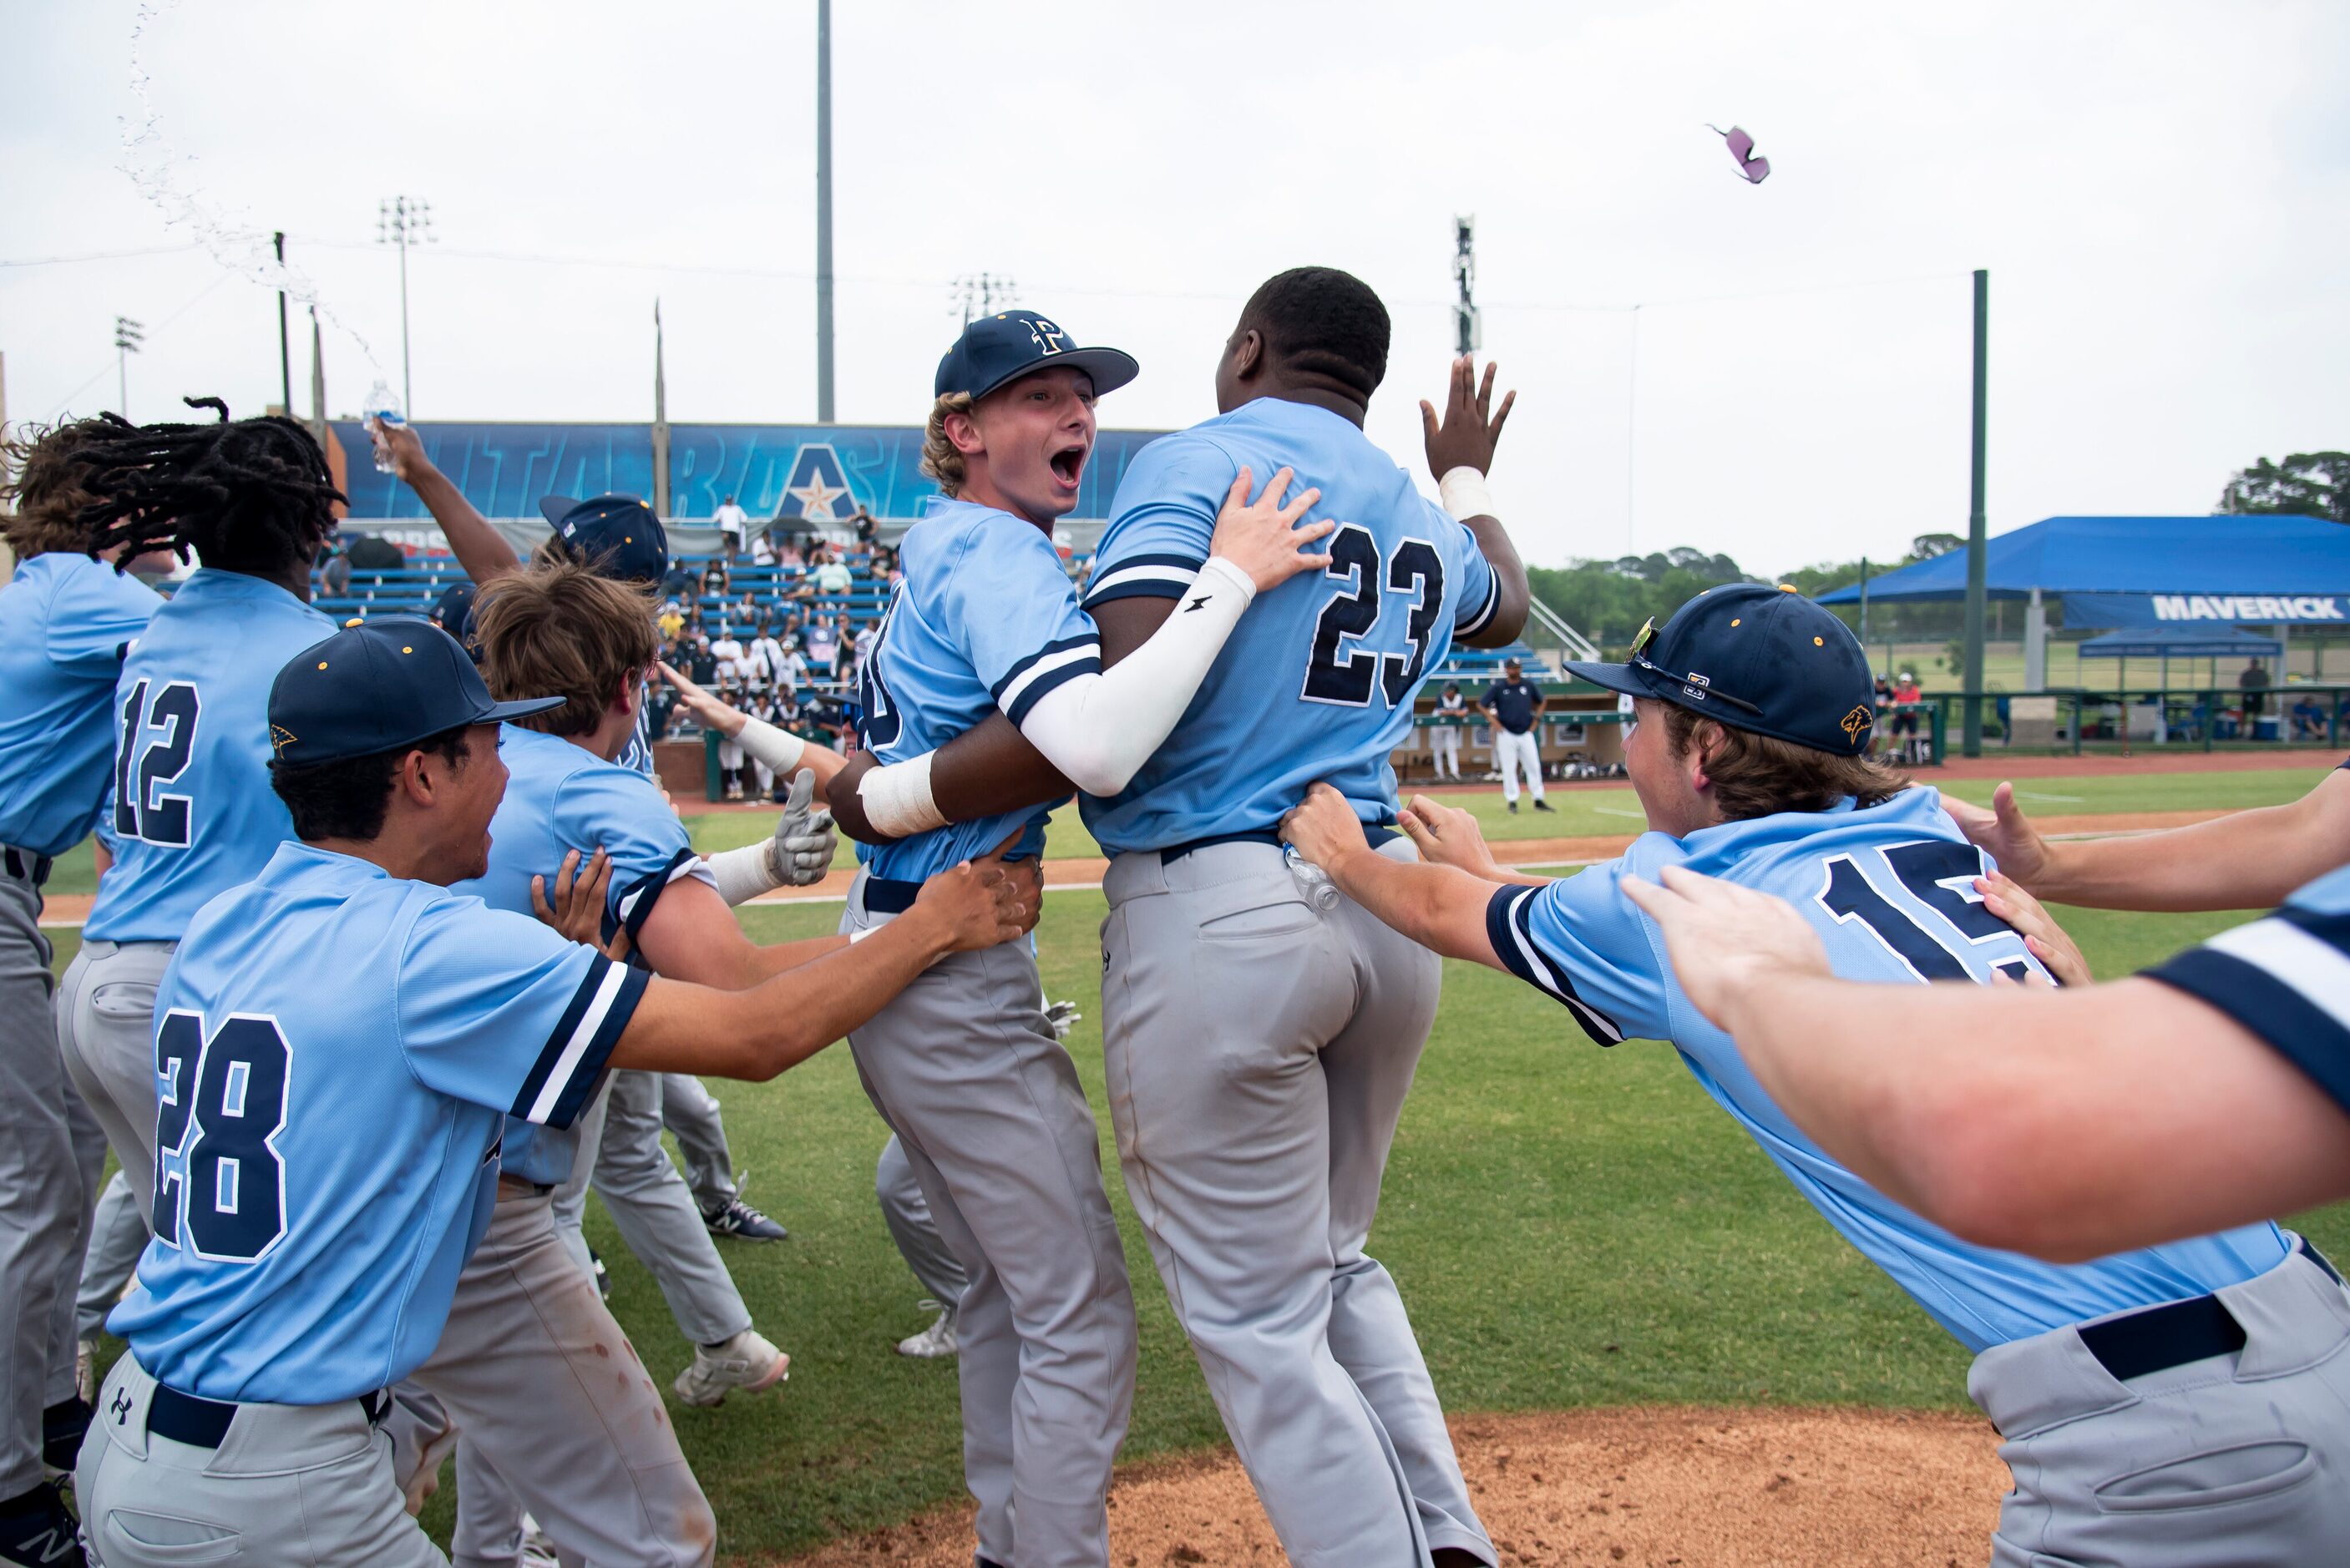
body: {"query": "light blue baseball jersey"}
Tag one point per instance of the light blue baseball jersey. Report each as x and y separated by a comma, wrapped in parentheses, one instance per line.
(64, 624)
(2286, 979)
(336, 1052)
(986, 620)
(1890, 891)
(194, 814)
(559, 797)
(1317, 681)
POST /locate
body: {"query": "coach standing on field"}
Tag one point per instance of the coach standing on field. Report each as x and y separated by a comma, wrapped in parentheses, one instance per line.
(1515, 703)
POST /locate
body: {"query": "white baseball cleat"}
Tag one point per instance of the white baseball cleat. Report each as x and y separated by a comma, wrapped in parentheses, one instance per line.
(934, 1341)
(746, 1362)
(85, 1370)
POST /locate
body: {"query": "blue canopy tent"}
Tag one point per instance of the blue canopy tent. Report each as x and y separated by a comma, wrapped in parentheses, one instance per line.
(2145, 571)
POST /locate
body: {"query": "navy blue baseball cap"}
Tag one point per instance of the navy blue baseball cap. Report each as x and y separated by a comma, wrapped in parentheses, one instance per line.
(379, 687)
(616, 536)
(454, 610)
(1754, 657)
(1000, 349)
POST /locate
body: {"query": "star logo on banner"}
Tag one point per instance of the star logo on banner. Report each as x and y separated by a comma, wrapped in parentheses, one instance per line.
(816, 499)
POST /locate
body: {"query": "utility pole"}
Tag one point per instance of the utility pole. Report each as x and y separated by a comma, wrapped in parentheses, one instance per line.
(979, 293)
(1977, 547)
(823, 212)
(661, 421)
(1466, 337)
(284, 345)
(127, 337)
(404, 221)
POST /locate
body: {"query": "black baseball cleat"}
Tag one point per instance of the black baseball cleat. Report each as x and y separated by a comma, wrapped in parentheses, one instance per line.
(1544, 805)
(63, 1426)
(1514, 808)
(36, 1530)
(738, 1219)
(603, 1275)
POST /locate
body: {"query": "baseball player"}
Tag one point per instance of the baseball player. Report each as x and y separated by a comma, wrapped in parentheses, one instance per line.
(650, 1202)
(966, 1069)
(1259, 1042)
(2172, 1406)
(189, 808)
(2224, 1093)
(908, 1215)
(64, 621)
(1444, 736)
(340, 1041)
(1515, 706)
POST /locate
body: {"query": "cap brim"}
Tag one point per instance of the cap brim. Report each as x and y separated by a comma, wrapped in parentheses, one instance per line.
(1110, 368)
(553, 507)
(1629, 679)
(499, 713)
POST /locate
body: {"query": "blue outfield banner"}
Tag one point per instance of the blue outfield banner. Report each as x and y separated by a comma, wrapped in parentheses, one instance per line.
(821, 473)
(2137, 611)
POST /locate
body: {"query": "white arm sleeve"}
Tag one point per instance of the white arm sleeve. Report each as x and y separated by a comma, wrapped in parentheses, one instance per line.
(1098, 730)
(765, 743)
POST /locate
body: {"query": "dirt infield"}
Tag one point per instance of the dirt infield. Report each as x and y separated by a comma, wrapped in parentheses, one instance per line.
(1724, 1489)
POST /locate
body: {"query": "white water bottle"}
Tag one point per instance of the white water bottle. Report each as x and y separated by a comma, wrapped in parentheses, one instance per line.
(382, 408)
(1312, 880)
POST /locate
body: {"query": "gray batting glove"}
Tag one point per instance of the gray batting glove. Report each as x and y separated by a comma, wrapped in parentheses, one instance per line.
(801, 851)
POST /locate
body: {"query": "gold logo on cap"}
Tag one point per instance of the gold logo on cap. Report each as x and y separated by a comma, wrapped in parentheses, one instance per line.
(1857, 722)
(280, 737)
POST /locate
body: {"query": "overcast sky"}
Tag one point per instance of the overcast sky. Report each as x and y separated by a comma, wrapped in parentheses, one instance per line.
(2160, 191)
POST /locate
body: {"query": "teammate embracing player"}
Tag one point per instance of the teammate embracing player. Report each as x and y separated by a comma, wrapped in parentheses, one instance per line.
(965, 1067)
(1259, 1041)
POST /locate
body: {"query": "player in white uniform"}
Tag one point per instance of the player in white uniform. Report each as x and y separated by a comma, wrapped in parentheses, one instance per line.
(340, 1044)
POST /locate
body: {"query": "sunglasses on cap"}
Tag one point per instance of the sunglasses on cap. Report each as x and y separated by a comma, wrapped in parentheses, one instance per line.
(1641, 658)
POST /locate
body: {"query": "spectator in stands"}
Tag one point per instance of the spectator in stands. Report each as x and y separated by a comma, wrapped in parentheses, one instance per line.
(844, 649)
(795, 665)
(2308, 718)
(1515, 705)
(678, 582)
(671, 620)
(886, 568)
(868, 531)
(787, 552)
(834, 576)
(769, 652)
(1444, 738)
(726, 647)
(702, 664)
(732, 521)
(820, 644)
(717, 579)
(336, 556)
(763, 548)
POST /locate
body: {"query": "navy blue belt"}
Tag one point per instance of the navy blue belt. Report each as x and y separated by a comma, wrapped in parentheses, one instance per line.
(1375, 832)
(2175, 1332)
(26, 867)
(203, 1423)
(883, 896)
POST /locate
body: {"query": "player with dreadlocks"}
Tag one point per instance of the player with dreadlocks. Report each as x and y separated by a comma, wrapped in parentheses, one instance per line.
(189, 812)
(65, 620)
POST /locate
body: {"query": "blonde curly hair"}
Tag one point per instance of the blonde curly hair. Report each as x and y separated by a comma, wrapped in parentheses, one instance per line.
(940, 459)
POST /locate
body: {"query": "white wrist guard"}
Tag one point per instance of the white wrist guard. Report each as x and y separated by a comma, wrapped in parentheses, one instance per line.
(897, 798)
(763, 742)
(1463, 493)
(743, 874)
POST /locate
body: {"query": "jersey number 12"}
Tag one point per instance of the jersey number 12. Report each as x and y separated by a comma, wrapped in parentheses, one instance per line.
(141, 810)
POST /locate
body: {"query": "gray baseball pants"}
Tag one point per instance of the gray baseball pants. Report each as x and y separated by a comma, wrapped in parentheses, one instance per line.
(2240, 1458)
(117, 1237)
(51, 1153)
(289, 1484)
(105, 1031)
(908, 1214)
(653, 1210)
(544, 1386)
(1259, 1050)
(986, 1104)
(690, 1111)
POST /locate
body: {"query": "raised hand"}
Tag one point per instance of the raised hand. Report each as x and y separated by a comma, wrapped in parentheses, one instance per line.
(801, 849)
(402, 448)
(2048, 940)
(1261, 537)
(1471, 428)
(1447, 835)
(712, 713)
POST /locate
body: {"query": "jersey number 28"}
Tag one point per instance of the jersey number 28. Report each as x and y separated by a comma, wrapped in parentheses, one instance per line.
(142, 809)
(220, 1186)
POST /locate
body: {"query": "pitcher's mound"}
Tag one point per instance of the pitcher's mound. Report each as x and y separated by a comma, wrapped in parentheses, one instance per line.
(1704, 1488)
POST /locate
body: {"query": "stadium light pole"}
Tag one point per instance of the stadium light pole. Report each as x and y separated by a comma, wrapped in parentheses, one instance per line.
(129, 337)
(1977, 549)
(404, 221)
(823, 212)
(285, 344)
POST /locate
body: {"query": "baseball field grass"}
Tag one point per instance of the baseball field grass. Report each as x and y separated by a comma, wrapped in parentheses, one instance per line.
(1571, 1228)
